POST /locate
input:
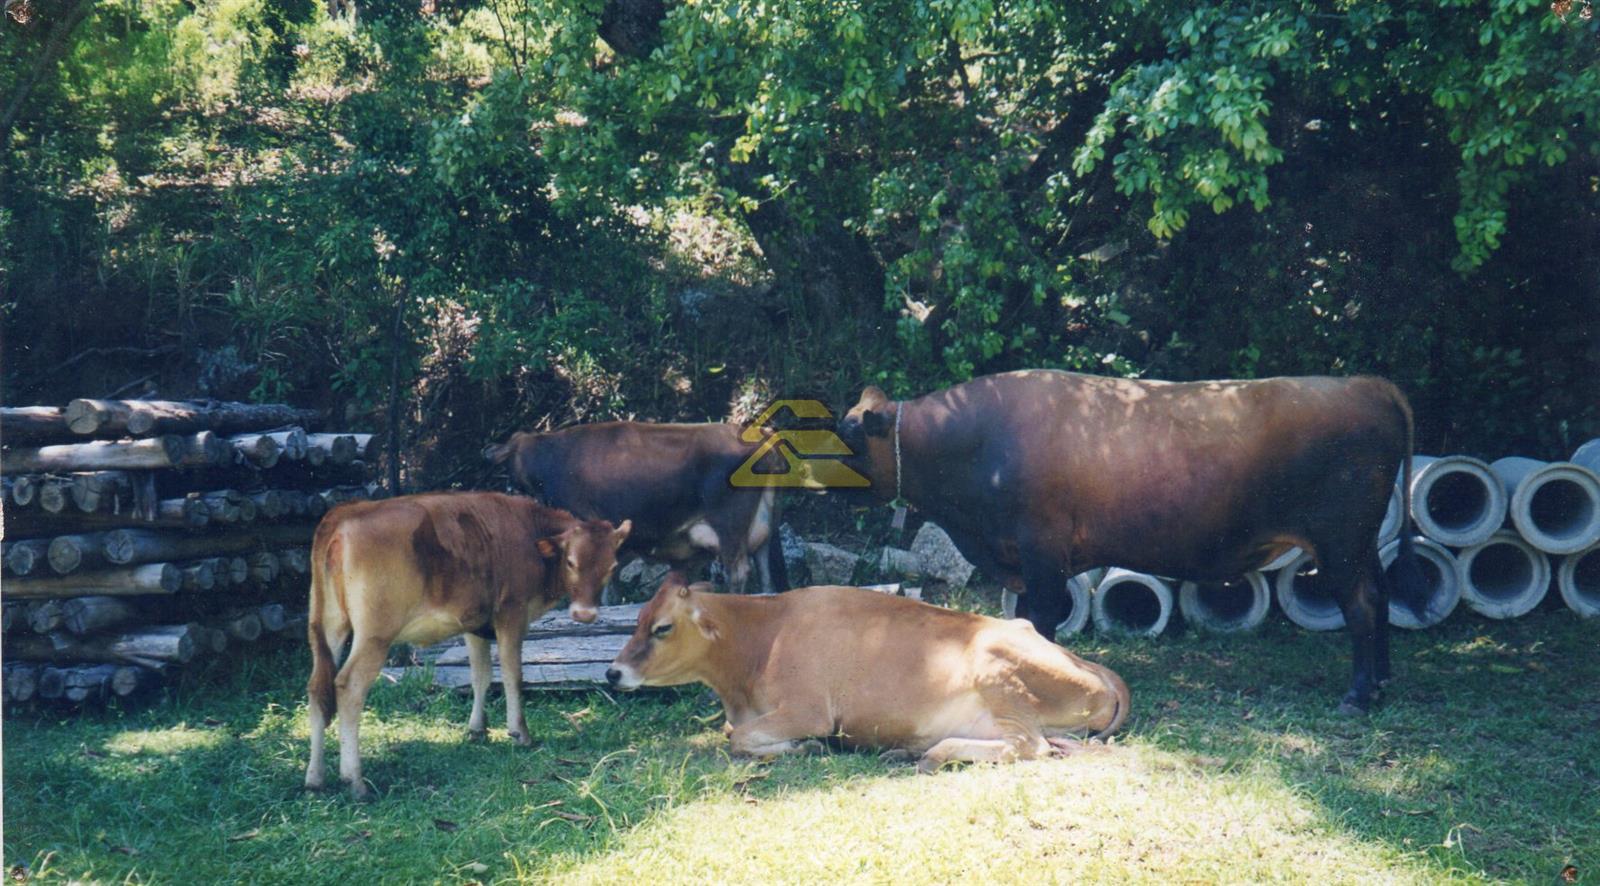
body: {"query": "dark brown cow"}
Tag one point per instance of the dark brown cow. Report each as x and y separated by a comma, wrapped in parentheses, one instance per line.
(671, 480)
(1038, 475)
(420, 568)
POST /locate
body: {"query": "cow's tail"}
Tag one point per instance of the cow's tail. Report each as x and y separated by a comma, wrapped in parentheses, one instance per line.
(327, 599)
(1408, 583)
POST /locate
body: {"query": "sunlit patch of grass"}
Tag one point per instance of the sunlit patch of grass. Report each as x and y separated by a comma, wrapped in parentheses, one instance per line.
(1233, 767)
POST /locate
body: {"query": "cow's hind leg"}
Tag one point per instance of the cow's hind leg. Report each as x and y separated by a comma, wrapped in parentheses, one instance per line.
(1382, 590)
(478, 657)
(322, 704)
(1354, 587)
(351, 686)
(509, 627)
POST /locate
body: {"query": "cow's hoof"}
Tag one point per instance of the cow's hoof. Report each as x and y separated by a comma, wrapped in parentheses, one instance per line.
(477, 735)
(521, 738)
(1349, 708)
(895, 755)
(928, 765)
(813, 748)
(315, 788)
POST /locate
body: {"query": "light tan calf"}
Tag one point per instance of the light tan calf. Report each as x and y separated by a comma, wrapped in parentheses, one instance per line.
(420, 568)
(871, 670)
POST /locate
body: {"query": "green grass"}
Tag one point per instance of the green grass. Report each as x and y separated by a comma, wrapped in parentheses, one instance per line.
(1484, 764)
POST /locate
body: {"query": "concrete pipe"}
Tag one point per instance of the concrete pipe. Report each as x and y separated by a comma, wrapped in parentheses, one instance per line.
(1078, 588)
(1282, 560)
(1302, 599)
(1588, 455)
(1389, 529)
(1555, 505)
(1226, 607)
(1127, 602)
(1579, 581)
(1440, 573)
(1455, 500)
(1504, 577)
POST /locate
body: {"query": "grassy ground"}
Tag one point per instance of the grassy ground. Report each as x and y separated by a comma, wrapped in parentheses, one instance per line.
(1484, 764)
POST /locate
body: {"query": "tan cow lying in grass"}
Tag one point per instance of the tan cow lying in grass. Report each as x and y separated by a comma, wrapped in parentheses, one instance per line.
(871, 670)
(420, 568)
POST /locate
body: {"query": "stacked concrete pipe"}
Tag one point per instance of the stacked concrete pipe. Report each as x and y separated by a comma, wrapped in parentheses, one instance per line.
(1226, 607)
(1302, 599)
(1127, 602)
(1441, 575)
(1079, 588)
(1578, 579)
(1503, 576)
(1554, 505)
(1455, 500)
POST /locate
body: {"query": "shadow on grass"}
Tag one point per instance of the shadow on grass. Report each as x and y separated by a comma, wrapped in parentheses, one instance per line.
(1483, 762)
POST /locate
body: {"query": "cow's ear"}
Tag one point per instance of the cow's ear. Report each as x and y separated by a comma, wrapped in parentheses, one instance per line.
(620, 534)
(548, 549)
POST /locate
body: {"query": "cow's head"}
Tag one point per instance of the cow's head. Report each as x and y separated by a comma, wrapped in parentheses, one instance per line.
(866, 429)
(514, 454)
(672, 639)
(579, 562)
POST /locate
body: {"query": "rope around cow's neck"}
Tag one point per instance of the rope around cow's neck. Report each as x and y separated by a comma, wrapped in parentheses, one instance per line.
(899, 410)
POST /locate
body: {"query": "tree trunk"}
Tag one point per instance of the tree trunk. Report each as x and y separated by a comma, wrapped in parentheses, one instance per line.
(25, 555)
(32, 424)
(197, 450)
(177, 513)
(69, 553)
(45, 616)
(151, 578)
(149, 545)
(54, 493)
(149, 646)
(244, 625)
(198, 576)
(55, 46)
(142, 417)
(21, 680)
(272, 617)
(23, 490)
(94, 491)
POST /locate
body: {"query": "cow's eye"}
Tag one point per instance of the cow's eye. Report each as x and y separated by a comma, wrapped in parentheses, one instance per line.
(661, 630)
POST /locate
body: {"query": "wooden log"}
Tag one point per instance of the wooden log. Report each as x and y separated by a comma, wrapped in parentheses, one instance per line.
(54, 494)
(89, 615)
(295, 561)
(260, 450)
(23, 491)
(291, 443)
(150, 646)
(272, 616)
(52, 682)
(102, 490)
(45, 616)
(150, 578)
(229, 506)
(32, 424)
(238, 570)
(11, 614)
(244, 625)
(270, 504)
(156, 453)
(190, 514)
(23, 556)
(198, 576)
(152, 545)
(69, 553)
(21, 679)
(295, 623)
(316, 506)
(143, 417)
(88, 682)
(264, 567)
(212, 640)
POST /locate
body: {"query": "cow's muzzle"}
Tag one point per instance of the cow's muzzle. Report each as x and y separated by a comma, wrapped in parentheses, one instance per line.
(583, 614)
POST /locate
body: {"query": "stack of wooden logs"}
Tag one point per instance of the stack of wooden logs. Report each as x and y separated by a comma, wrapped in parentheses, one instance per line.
(139, 535)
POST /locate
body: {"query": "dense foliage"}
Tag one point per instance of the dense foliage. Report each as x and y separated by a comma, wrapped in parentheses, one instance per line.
(526, 208)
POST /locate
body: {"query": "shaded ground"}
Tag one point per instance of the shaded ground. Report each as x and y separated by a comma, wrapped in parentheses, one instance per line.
(1483, 765)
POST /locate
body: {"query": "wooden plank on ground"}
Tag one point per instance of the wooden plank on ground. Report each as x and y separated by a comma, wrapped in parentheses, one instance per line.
(552, 650)
(557, 652)
(583, 675)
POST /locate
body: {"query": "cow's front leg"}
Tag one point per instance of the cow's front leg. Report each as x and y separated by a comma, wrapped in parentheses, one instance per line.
(1045, 601)
(974, 750)
(478, 657)
(509, 628)
(785, 730)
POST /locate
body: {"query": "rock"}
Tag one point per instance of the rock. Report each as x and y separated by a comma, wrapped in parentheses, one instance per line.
(938, 557)
(830, 564)
(894, 561)
(642, 574)
(794, 552)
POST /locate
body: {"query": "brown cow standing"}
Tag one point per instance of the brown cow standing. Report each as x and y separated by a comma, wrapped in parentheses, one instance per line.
(671, 480)
(1039, 475)
(871, 670)
(420, 568)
